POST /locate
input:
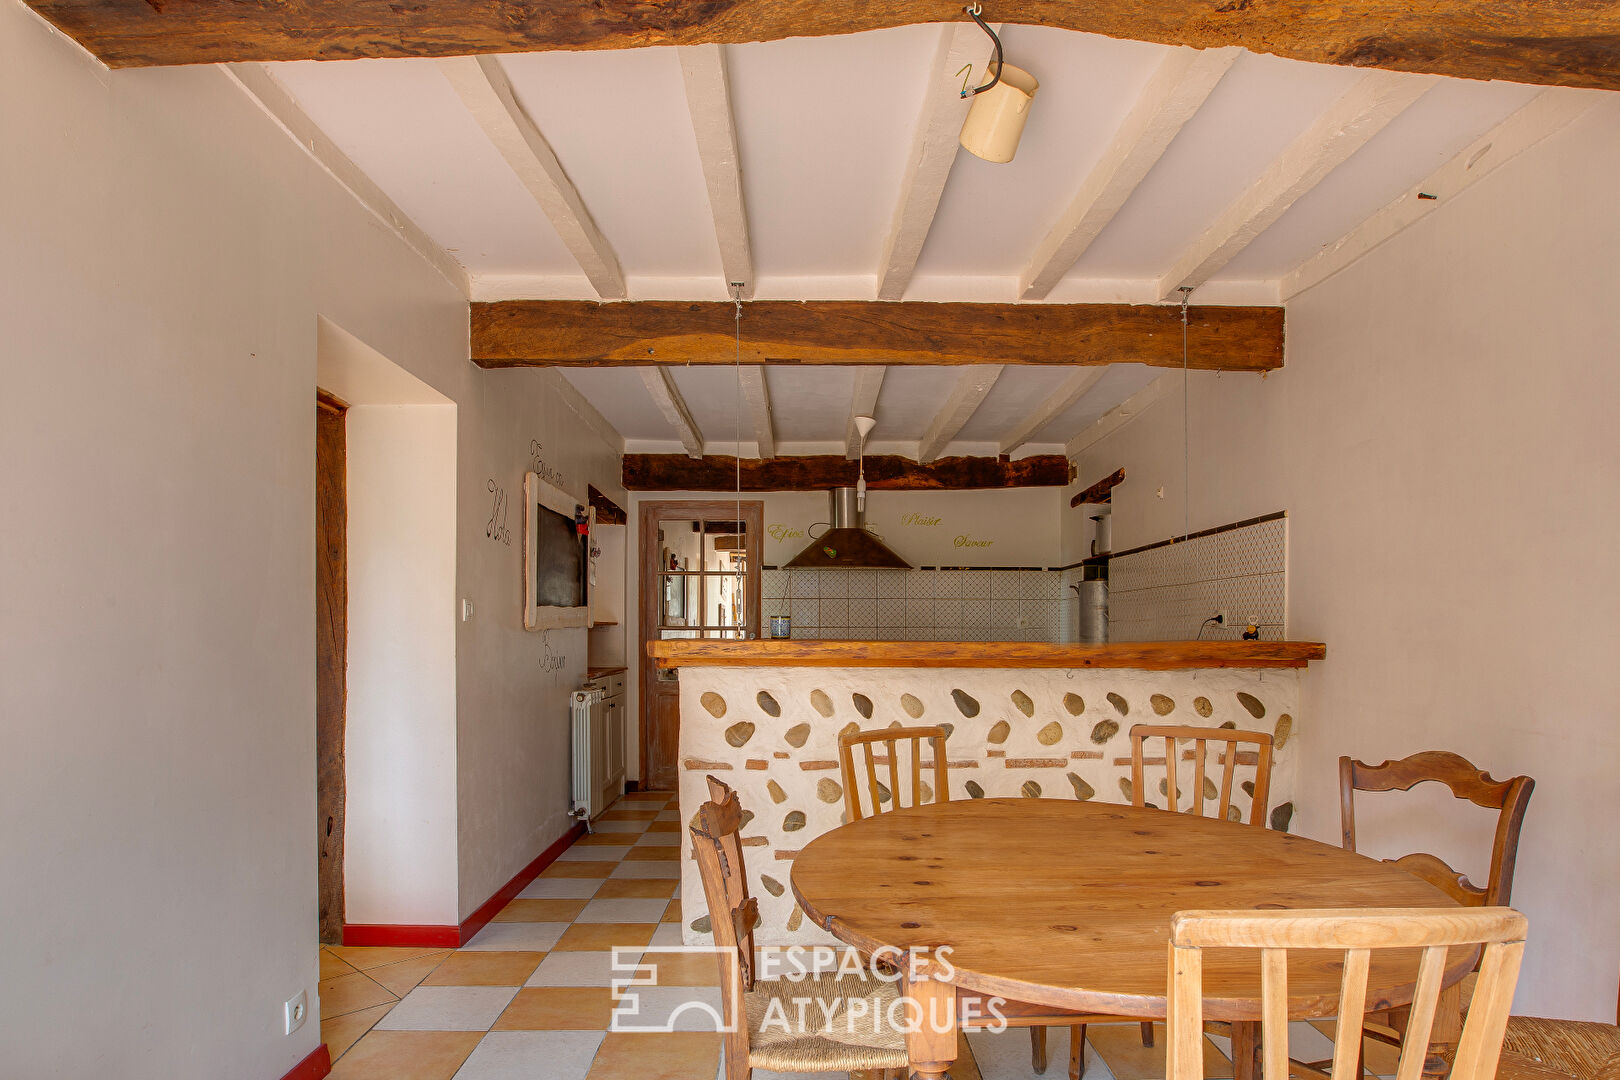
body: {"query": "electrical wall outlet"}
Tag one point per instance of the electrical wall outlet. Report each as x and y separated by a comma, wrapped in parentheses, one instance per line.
(466, 611)
(295, 1012)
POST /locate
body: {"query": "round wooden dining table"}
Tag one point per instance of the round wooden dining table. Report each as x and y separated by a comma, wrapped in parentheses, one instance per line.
(1068, 905)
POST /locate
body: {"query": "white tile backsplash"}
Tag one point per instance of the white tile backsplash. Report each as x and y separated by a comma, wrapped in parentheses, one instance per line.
(1167, 592)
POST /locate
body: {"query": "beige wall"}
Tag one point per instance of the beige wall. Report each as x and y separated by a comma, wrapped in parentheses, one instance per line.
(1442, 439)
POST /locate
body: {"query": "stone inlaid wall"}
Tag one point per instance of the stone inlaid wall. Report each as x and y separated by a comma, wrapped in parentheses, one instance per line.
(772, 734)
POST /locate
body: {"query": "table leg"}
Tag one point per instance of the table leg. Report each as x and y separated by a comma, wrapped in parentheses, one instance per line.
(1245, 1050)
(1445, 1033)
(932, 1044)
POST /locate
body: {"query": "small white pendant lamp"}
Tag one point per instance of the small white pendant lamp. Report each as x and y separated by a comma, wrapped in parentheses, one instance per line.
(995, 123)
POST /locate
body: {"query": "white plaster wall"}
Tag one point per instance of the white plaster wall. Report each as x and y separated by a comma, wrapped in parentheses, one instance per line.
(1442, 439)
(400, 736)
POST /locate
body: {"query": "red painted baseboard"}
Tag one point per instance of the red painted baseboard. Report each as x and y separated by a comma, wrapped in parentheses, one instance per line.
(451, 937)
(314, 1067)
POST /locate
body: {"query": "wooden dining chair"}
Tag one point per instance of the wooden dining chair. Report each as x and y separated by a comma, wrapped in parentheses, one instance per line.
(751, 1043)
(1232, 755)
(1358, 933)
(866, 746)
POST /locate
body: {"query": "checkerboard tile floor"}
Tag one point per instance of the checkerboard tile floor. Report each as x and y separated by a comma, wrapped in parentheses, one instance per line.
(528, 996)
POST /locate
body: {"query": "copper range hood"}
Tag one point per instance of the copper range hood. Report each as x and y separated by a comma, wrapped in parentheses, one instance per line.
(847, 543)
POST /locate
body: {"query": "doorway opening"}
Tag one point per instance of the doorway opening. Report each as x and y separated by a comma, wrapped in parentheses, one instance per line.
(331, 652)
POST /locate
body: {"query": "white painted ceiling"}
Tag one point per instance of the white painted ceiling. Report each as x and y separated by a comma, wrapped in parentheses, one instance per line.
(824, 127)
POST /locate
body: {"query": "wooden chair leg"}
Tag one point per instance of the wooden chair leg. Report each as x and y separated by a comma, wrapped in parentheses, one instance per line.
(1147, 1033)
(1037, 1048)
(1077, 1052)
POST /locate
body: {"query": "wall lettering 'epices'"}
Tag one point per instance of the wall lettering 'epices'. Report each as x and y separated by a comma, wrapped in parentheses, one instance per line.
(495, 528)
(784, 532)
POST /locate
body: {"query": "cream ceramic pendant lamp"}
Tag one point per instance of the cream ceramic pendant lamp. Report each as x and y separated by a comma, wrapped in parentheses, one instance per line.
(995, 123)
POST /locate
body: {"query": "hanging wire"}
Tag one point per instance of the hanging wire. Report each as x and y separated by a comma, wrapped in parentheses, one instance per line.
(974, 10)
(1186, 442)
(738, 561)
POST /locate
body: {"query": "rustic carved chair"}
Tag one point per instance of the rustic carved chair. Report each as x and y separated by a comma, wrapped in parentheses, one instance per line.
(1357, 933)
(1508, 797)
(733, 914)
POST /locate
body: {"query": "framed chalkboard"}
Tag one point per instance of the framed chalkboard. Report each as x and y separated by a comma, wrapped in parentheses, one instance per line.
(556, 556)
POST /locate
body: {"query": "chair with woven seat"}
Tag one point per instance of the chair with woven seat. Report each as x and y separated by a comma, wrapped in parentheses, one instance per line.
(1357, 934)
(1537, 1048)
(778, 1045)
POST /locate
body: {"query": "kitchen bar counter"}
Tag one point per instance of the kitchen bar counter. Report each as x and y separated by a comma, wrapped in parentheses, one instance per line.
(1142, 655)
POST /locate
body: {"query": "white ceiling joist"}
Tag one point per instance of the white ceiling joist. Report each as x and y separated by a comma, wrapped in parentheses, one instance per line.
(708, 98)
(1063, 398)
(971, 388)
(661, 385)
(1176, 91)
(1123, 413)
(863, 402)
(1546, 113)
(1364, 110)
(933, 150)
(270, 96)
(483, 87)
(757, 397)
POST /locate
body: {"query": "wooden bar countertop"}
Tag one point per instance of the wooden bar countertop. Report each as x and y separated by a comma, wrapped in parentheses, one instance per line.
(1142, 655)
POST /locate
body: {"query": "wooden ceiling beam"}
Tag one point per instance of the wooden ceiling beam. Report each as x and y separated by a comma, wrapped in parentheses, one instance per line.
(757, 397)
(573, 333)
(708, 99)
(1178, 88)
(1555, 42)
(1101, 491)
(973, 385)
(863, 402)
(1060, 401)
(1349, 124)
(933, 151)
(667, 396)
(884, 472)
(483, 87)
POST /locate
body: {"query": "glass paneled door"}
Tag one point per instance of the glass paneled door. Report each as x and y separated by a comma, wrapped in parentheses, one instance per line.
(699, 579)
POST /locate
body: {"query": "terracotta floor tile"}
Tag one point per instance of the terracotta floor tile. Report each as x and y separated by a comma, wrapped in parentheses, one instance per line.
(635, 889)
(629, 815)
(684, 969)
(407, 1055)
(676, 1055)
(332, 965)
(341, 1032)
(365, 957)
(540, 911)
(579, 869)
(553, 1008)
(350, 993)
(1120, 1047)
(642, 853)
(398, 979)
(664, 826)
(485, 969)
(599, 937)
(672, 914)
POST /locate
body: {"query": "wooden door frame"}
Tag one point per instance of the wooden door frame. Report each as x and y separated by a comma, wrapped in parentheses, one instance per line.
(651, 513)
(331, 656)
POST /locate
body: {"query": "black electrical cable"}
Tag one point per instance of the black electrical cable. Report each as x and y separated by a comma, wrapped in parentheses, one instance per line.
(973, 11)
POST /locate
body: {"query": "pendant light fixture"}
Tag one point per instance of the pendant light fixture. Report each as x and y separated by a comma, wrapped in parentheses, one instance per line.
(864, 425)
(1000, 108)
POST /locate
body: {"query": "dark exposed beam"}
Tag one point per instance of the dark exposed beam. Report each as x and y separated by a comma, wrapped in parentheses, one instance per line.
(1555, 42)
(1101, 491)
(564, 333)
(677, 472)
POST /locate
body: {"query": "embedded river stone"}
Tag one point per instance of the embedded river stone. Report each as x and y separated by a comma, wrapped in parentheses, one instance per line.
(1202, 707)
(966, 704)
(1281, 816)
(1248, 788)
(912, 705)
(739, 733)
(999, 732)
(1120, 705)
(772, 886)
(768, 704)
(820, 702)
(1023, 702)
(974, 790)
(1210, 790)
(828, 790)
(744, 819)
(797, 735)
(947, 729)
(925, 794)
(793, 822)
(1252, 703)
(1284, 731)
(1030, 790)
(1229, 724)
(863, 705)
(714, 703)
(1074, 703)
(1082, 790)
(883, 793)
(1162, 705)
(1233, 814)
(1050, 735)
(701, 924)
(1125, 789)
(1104, 730)
(796, 918)
(851, 728)
(777, 794)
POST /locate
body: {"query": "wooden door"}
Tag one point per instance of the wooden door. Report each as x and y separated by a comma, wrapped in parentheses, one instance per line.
(699, 579)
(331, 654)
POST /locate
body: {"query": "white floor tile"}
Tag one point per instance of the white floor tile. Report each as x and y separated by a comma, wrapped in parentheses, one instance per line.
(662, 871)
(1005, 1055)
(593, 853)
(660, 839)
(524, 1055)
(668, 934)
(619, 826)
(561, 888)
(622, 911)
(533, 936)
(678, 1008)
(448, 1008)
(582, 968)
(1305, 1043)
